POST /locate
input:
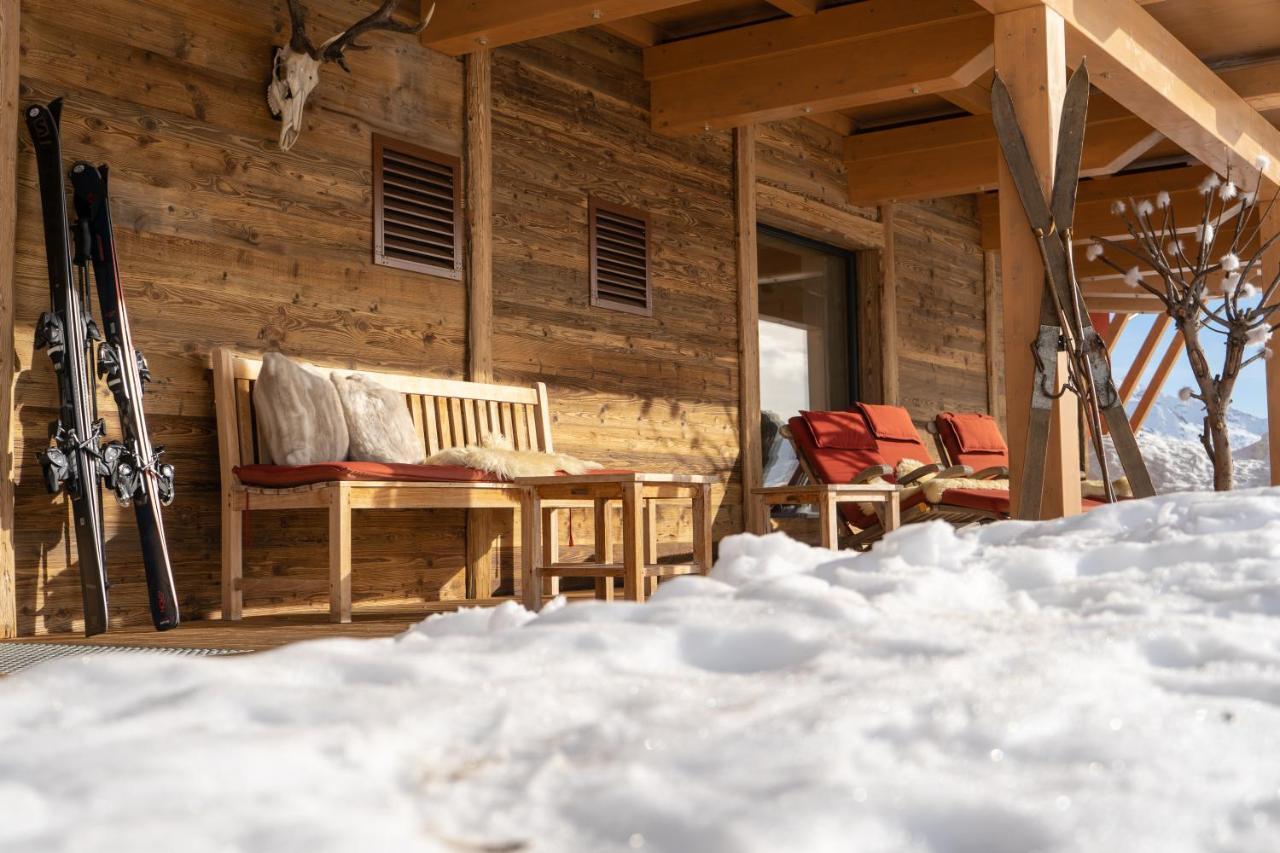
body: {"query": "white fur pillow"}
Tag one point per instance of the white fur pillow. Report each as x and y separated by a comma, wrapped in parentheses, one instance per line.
(378, 421)
(298, 413)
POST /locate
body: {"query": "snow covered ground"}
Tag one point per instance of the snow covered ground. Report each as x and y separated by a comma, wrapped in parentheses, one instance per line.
(1104, 683)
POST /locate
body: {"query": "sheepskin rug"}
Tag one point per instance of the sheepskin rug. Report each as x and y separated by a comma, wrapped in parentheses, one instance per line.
(498, 456)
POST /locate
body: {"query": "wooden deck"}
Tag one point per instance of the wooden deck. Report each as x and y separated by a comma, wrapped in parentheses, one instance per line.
(257, 633)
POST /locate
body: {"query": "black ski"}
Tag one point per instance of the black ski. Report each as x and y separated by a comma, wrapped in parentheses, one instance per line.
(67, 330)
(132, 468)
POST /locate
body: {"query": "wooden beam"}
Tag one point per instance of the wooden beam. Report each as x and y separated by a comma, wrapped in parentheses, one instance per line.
(796, 7)
(1143, 358)
(479, 154)
(959, 156)
(844, 57)
(1115, 328)
(801, 215)
(991, 315)
(1094, 199)
(1157, 383)
(460, 26)
(9, 112)
(636, 31)
(744, 186)
(1271, 269)
(1030, 57)
(889, 312)
(478, 140)
(1257, 82)
(1143, 66)
(976, 98)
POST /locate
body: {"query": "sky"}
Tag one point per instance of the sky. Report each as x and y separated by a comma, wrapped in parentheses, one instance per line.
(1251, 387)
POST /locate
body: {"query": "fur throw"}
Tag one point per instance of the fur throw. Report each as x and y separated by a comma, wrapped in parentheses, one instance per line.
(299, 413)
(1096, 490)
(377, 420)
(934, 486)
(497, 456)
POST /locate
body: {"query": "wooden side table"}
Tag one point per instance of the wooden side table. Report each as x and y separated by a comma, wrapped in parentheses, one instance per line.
(826, 497)
(640, 493)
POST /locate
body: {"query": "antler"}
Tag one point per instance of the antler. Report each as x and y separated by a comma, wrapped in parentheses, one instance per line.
(333, 49)
(298, 39)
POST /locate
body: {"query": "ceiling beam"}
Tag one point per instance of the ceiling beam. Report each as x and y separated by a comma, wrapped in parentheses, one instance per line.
(1143, 66)
(796, 7)
(961, 156)
(462, 26)
(865, 53)
(636, 31)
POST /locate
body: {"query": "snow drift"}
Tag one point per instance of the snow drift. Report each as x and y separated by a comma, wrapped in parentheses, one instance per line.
(1109, 682)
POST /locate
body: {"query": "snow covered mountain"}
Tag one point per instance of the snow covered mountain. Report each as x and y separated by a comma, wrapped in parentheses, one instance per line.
(1173, 418)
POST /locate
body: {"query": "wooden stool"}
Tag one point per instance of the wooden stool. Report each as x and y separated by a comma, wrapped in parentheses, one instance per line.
(640, 495)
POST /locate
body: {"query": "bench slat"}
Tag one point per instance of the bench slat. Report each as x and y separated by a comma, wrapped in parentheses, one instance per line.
(429, 425)
(245, 423)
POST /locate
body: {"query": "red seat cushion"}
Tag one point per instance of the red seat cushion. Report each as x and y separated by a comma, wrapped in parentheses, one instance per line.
(972, 439)
(987, 500)
(839, 430)
(288, 476)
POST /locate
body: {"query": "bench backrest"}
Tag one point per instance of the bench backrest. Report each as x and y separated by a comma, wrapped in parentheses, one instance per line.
(446, 412)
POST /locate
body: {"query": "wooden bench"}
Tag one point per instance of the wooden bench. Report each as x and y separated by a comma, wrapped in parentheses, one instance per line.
(447, 413)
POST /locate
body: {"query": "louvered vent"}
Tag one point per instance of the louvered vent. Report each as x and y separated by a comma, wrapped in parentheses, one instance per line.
(620, 258)
(417, 208)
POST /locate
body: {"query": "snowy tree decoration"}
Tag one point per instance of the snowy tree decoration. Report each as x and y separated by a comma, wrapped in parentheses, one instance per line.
(1207, 287)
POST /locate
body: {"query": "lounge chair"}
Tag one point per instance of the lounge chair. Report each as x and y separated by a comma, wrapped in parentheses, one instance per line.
(869, 442)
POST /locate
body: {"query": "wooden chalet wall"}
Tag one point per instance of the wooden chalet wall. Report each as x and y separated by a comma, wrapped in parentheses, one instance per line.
(224, 239)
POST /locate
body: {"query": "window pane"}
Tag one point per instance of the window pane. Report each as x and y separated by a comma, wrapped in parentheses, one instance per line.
(804, 340)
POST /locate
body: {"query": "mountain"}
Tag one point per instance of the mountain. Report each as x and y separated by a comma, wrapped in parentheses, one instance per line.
(1175, 419)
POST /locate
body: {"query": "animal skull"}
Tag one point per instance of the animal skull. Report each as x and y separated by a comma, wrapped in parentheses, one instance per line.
(292, 79)
(296, 67)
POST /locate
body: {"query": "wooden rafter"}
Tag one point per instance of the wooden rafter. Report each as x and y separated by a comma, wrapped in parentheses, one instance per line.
(839, 58)
(796, 7)
(1158, 380)
(1115, 327)
(460, 27)
(959, 156)
(637, 31)
(1143, 358)
(1143, 66)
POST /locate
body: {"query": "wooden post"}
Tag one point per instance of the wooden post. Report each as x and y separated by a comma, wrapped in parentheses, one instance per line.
(744, 171)
(340, 553)
(603, 547)
(990, 272)
(479, 142)
(633, 542)
(1030, 49)
(889, 313)
(1271, 269)
(9, 120)
(478, 132)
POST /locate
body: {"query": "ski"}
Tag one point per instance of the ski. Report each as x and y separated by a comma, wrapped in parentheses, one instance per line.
(1065, 321)
(132, 467)
(67, 331)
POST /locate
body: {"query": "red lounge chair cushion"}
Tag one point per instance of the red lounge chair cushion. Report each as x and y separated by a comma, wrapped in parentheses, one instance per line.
(839, 430)
(986, 500)
(836, 464)
(890, 423)
(289, 476)
(972, 439)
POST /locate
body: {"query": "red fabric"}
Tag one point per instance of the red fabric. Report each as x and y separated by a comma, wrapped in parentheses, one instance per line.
(972, 439)
(836, 464)
(288, 476)
(839, 430)
(987, 500)
(889, 423)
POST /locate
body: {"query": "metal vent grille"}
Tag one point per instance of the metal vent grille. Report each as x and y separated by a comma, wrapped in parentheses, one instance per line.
(620, 258)
(417, 208)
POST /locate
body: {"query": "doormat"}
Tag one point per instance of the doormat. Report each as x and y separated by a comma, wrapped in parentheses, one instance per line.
(19, 656)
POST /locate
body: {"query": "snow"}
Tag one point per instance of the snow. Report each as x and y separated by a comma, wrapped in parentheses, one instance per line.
(1106, 682)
